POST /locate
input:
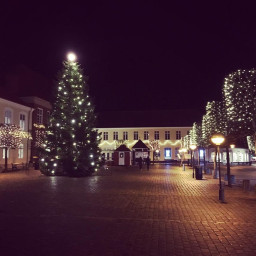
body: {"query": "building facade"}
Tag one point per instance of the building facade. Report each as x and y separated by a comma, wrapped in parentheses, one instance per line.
(40, 118)
(19, 115)
(169, 140)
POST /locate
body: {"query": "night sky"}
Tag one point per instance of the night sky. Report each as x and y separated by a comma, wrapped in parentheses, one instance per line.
(137, 54)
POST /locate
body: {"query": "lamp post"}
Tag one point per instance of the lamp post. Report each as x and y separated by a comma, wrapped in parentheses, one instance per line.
(218, 139)
(193, 147)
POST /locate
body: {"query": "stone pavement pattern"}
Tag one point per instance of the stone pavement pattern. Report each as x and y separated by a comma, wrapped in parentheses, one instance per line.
(158, 212)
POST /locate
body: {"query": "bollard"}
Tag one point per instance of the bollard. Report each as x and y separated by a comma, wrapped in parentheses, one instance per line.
(246, 185)
(183, 167)
(222, 192)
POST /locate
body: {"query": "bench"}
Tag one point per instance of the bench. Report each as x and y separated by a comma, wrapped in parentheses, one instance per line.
(18, 166)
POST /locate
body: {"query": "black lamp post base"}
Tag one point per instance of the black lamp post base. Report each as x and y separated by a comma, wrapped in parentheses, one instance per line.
(221, 195)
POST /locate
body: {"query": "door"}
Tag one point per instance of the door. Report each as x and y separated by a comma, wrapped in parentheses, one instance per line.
(121, 158)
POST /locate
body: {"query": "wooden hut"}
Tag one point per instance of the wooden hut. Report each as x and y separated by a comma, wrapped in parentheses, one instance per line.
(139, 150)
(122, 156)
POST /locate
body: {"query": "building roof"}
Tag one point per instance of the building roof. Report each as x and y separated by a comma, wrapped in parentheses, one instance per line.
(140, 144)
(164, 118)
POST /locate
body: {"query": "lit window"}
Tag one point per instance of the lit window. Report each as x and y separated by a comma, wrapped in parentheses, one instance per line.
(167, 135)
(156, 135)
(7, 153)
(146, 135)
(178, 135)
(40, 115)
(105, 135)
(20, 151)
(125, 136)
(22, 122)
(115, 135)
(167, 153)
(136, 135)
(7, 116)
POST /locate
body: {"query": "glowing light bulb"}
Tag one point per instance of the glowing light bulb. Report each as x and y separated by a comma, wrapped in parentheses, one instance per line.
(71, 57)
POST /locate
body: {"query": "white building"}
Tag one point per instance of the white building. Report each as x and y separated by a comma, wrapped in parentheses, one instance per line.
(167, 127)
(20, 115)
(168, 137)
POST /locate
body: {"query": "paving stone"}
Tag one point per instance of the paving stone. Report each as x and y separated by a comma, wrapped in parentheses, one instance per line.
(161, 212)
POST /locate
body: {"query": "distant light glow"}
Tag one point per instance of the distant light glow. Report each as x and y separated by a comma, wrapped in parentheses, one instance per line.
(71, 56)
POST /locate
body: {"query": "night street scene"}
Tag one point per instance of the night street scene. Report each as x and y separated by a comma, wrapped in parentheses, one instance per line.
(128, 128)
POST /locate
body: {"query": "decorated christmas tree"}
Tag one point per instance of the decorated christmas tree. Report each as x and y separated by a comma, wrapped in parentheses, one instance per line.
(71, 144)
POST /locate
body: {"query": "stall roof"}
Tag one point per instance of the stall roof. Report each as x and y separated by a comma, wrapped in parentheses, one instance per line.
(123, 148)
(139, 144)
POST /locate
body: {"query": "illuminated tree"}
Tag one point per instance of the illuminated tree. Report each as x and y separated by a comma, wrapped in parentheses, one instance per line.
(71, 145)
(196, 135)
(155, 146)
(214, 121)
(185, 142)
(10, 137)
(239, 93)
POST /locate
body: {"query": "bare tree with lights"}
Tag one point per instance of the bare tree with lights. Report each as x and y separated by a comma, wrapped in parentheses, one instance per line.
(155, 146)
(71, 145)
(10, 137)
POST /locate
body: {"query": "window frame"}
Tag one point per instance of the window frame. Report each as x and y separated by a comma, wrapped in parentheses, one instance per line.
(178, 135)
(21, 121)
(105, 135)
(8, 118)
(21, 151)
(115, 135)
(146, 135)
(125, 135)
(167, 135)
(156, 135)
(39, 115)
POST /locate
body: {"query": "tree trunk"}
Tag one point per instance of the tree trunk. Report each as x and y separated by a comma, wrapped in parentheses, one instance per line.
(228, 167)
(5, 159)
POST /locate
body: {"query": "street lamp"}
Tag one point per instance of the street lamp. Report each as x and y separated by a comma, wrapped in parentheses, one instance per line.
(218, 139)
(193, 147)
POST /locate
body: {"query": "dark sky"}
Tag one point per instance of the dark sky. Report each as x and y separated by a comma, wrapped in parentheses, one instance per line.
(137, 54)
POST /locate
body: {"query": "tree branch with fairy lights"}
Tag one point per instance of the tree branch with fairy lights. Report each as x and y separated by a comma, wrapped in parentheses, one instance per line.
(11, 137)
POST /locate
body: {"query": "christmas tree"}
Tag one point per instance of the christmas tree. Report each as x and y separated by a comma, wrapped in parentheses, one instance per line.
(71, 144)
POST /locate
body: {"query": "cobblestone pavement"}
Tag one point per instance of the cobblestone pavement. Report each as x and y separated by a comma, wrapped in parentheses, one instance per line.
(163, 211)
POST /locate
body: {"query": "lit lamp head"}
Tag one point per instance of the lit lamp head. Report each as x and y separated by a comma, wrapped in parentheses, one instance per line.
(192, 147)
(71, 57)
(232, 145)
(217, 139)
